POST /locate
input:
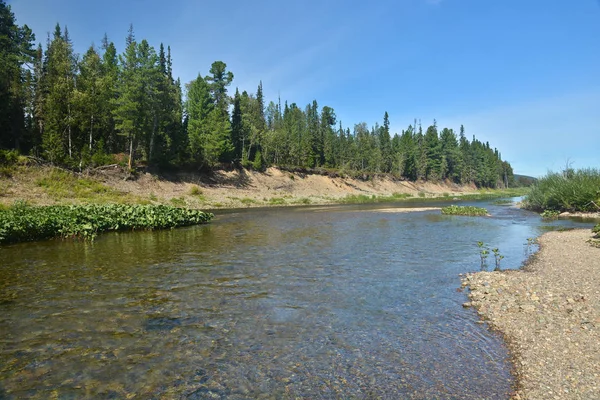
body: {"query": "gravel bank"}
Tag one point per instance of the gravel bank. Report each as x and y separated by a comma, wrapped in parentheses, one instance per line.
(549, 314)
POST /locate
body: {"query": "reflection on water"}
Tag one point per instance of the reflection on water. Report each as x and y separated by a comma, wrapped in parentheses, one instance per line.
(279, 303)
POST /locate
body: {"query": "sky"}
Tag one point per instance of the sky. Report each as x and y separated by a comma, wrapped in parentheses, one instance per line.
(523, 75)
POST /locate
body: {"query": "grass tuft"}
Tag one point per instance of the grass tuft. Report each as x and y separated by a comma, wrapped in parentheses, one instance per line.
(571, 191)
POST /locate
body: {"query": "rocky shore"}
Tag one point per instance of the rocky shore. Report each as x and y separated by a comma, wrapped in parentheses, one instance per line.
(549, 315)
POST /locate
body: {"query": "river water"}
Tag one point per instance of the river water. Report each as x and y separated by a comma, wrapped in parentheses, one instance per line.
(313, 302)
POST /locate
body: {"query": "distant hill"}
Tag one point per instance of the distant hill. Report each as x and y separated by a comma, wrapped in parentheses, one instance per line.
(524, 180)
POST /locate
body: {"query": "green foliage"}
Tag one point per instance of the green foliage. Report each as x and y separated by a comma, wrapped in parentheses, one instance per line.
(178, 201)
(464, 210)
(8, 157)
(258, 165)
(550, 214)
(484, 252)
(498, 257)
(25, 223)
(65, 185)
(303, 200)
(77, 111)
(503, 202)
(276, 201)
(195, 190)
(567, 191)
(596, 231)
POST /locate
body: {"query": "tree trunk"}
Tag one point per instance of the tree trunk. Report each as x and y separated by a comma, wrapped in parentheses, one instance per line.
(130, 162)
(152, 135)
(91, 132)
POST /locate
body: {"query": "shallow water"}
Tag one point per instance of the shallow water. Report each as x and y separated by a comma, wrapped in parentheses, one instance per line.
(335, 302)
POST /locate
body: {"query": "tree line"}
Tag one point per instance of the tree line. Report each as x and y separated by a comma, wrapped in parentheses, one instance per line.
(81, 111)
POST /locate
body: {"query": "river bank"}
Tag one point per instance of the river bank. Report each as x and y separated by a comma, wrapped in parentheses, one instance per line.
(549, 314)
(221, 189)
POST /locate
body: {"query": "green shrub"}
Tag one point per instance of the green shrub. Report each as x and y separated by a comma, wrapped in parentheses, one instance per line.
(464, 210)
(276, 201)
(258, 164)
(178, 201)
(62, 184)
(8, 157)
(195, 190)
(550, 214)
(571, 191)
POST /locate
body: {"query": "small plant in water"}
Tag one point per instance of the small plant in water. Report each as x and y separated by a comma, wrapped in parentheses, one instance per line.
(464, 210)
(498, 258)
(531, 242)
(484, 252)
(550, 214)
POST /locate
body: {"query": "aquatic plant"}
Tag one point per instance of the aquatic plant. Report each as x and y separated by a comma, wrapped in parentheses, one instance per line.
(550, 214)
(464, 210)
(23, 222)
(498, 257)
(531, 242)
(484, 252)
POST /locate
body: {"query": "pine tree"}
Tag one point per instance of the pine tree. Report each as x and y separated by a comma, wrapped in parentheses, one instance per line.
(128, 111)
(59, 86)
(109, 81)
(198, 106)
(16, 50)
(88, 98)
(385, 144)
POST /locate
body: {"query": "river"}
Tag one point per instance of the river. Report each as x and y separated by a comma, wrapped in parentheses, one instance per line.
(309, 302)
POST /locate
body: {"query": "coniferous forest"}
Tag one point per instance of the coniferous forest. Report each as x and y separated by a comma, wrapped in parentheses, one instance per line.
(102, 107)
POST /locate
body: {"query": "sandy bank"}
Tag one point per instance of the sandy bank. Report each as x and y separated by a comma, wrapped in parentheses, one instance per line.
(221, 189)
(549, 314)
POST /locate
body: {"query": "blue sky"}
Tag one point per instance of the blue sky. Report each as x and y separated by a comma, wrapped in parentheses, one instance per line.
(523, 75)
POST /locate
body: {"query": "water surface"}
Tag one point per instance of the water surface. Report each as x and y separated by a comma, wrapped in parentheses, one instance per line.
(335, 302)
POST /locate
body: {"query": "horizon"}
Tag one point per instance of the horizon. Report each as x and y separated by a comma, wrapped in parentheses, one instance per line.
(520, 76)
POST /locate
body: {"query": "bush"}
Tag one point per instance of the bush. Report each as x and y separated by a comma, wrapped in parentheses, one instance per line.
(572, 191)
(258, 164)
(8, 157)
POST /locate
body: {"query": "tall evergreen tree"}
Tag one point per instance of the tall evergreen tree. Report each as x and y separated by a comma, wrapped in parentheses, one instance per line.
(59, 88)
(128, 111)
(16, 50)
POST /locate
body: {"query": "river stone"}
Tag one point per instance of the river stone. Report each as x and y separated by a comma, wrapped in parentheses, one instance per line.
(527, 307)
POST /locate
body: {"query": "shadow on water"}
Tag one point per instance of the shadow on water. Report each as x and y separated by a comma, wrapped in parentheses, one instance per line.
(289, 303)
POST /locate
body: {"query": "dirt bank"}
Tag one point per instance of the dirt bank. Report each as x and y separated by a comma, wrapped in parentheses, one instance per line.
(549, 313)
(229, 189)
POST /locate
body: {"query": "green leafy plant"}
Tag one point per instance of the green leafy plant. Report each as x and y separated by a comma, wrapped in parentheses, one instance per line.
(498, 257)
(550, 214)
(464, 210)
(22, 222)
(484, 252)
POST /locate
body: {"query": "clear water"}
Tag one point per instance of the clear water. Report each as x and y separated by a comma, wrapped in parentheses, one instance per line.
(335, 302)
